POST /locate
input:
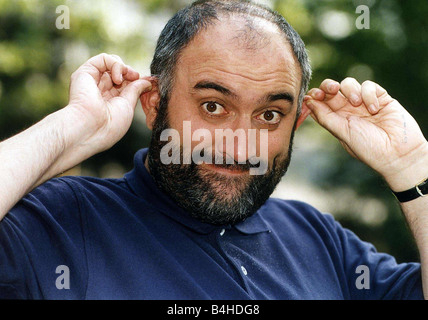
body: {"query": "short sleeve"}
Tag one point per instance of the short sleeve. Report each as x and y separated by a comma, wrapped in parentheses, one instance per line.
(375, 275)
(42, 232)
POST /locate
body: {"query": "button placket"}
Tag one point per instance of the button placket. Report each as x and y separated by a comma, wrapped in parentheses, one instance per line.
(234, 261)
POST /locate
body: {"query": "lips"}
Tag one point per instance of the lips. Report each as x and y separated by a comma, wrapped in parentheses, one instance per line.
(228, 168)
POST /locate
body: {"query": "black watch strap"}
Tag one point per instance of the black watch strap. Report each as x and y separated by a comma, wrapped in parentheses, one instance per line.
(418, 191)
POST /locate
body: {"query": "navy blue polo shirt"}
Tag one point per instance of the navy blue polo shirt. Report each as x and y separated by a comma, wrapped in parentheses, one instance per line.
(91, 238)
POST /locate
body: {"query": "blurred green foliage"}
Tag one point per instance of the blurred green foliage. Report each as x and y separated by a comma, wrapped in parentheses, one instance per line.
(36, 60)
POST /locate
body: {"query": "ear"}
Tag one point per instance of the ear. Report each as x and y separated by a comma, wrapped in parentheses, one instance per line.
(305, 112)
(150, 103)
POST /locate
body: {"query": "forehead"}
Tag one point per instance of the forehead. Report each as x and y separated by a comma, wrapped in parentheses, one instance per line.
(242, 51)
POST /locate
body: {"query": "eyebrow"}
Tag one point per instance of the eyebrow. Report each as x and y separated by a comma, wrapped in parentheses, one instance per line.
(214, 86)
(280, 96)
(223, 90)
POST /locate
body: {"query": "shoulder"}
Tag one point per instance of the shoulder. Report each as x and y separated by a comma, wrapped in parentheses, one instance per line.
(85, 183)
(68, 189)
(60, 199)
(277, 210)
(42, 231)
(65, 190)
(302, 221)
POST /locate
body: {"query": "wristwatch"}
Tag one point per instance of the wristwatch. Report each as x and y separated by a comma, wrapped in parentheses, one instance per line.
(419, 190)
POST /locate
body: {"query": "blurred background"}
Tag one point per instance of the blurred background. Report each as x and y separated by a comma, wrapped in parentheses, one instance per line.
(37, 58)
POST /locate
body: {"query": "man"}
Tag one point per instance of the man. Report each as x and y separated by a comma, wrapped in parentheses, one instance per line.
(203, 230)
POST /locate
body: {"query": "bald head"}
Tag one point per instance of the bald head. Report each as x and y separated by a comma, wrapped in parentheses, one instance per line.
(252, 33)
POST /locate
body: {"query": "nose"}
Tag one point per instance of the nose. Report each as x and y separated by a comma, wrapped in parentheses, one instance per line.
(231, 142)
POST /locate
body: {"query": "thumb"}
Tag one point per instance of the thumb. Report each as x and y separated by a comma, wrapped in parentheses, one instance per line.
(135, 89)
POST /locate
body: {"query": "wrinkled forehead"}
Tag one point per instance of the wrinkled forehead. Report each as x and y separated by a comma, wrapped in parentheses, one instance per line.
(239, 45)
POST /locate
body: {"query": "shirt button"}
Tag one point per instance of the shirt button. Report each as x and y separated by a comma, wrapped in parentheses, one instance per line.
(244, 271)
(222, 232)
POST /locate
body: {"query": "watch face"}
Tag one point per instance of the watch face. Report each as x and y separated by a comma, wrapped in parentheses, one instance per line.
(423, 187)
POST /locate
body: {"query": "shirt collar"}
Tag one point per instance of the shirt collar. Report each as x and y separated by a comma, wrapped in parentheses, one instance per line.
(142, 183)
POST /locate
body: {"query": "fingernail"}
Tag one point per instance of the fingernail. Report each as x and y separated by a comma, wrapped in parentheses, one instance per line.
(372, 108)
(148, 88)
(354, 98)
(319, 94)
(309, 104)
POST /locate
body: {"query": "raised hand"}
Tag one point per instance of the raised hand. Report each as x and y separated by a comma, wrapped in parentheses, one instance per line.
(372, 126)
(105, 91)
(103, 96)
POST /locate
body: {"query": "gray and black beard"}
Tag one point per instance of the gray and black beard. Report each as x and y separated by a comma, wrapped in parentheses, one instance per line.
(206, 195)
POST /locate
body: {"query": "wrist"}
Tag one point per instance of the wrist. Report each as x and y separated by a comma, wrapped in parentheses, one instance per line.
(78, 131)
(412, 170)
(72, 135)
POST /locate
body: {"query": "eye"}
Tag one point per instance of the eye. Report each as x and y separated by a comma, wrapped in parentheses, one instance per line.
(213, 108)
(270, 117)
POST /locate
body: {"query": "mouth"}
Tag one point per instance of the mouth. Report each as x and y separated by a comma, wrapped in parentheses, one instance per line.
(227, 170)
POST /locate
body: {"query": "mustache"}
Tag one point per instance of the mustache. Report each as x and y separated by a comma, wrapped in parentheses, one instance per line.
(227, 162)
(243, 167)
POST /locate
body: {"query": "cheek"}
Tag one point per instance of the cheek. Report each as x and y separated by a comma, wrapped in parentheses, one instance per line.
(189, 126)
(182, 114)
(279, 145)
(279, 140)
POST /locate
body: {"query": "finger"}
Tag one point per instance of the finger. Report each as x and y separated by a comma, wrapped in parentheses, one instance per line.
(316, 94)
(333, 97)
(105, 82)
(131, 75)
(351, 89)
(330, 87)
(118, 58)
(370, 98)
(128, 73)
(135, 89)
(103, 62)
(334, 101)
(117, 72)
(328, 119)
